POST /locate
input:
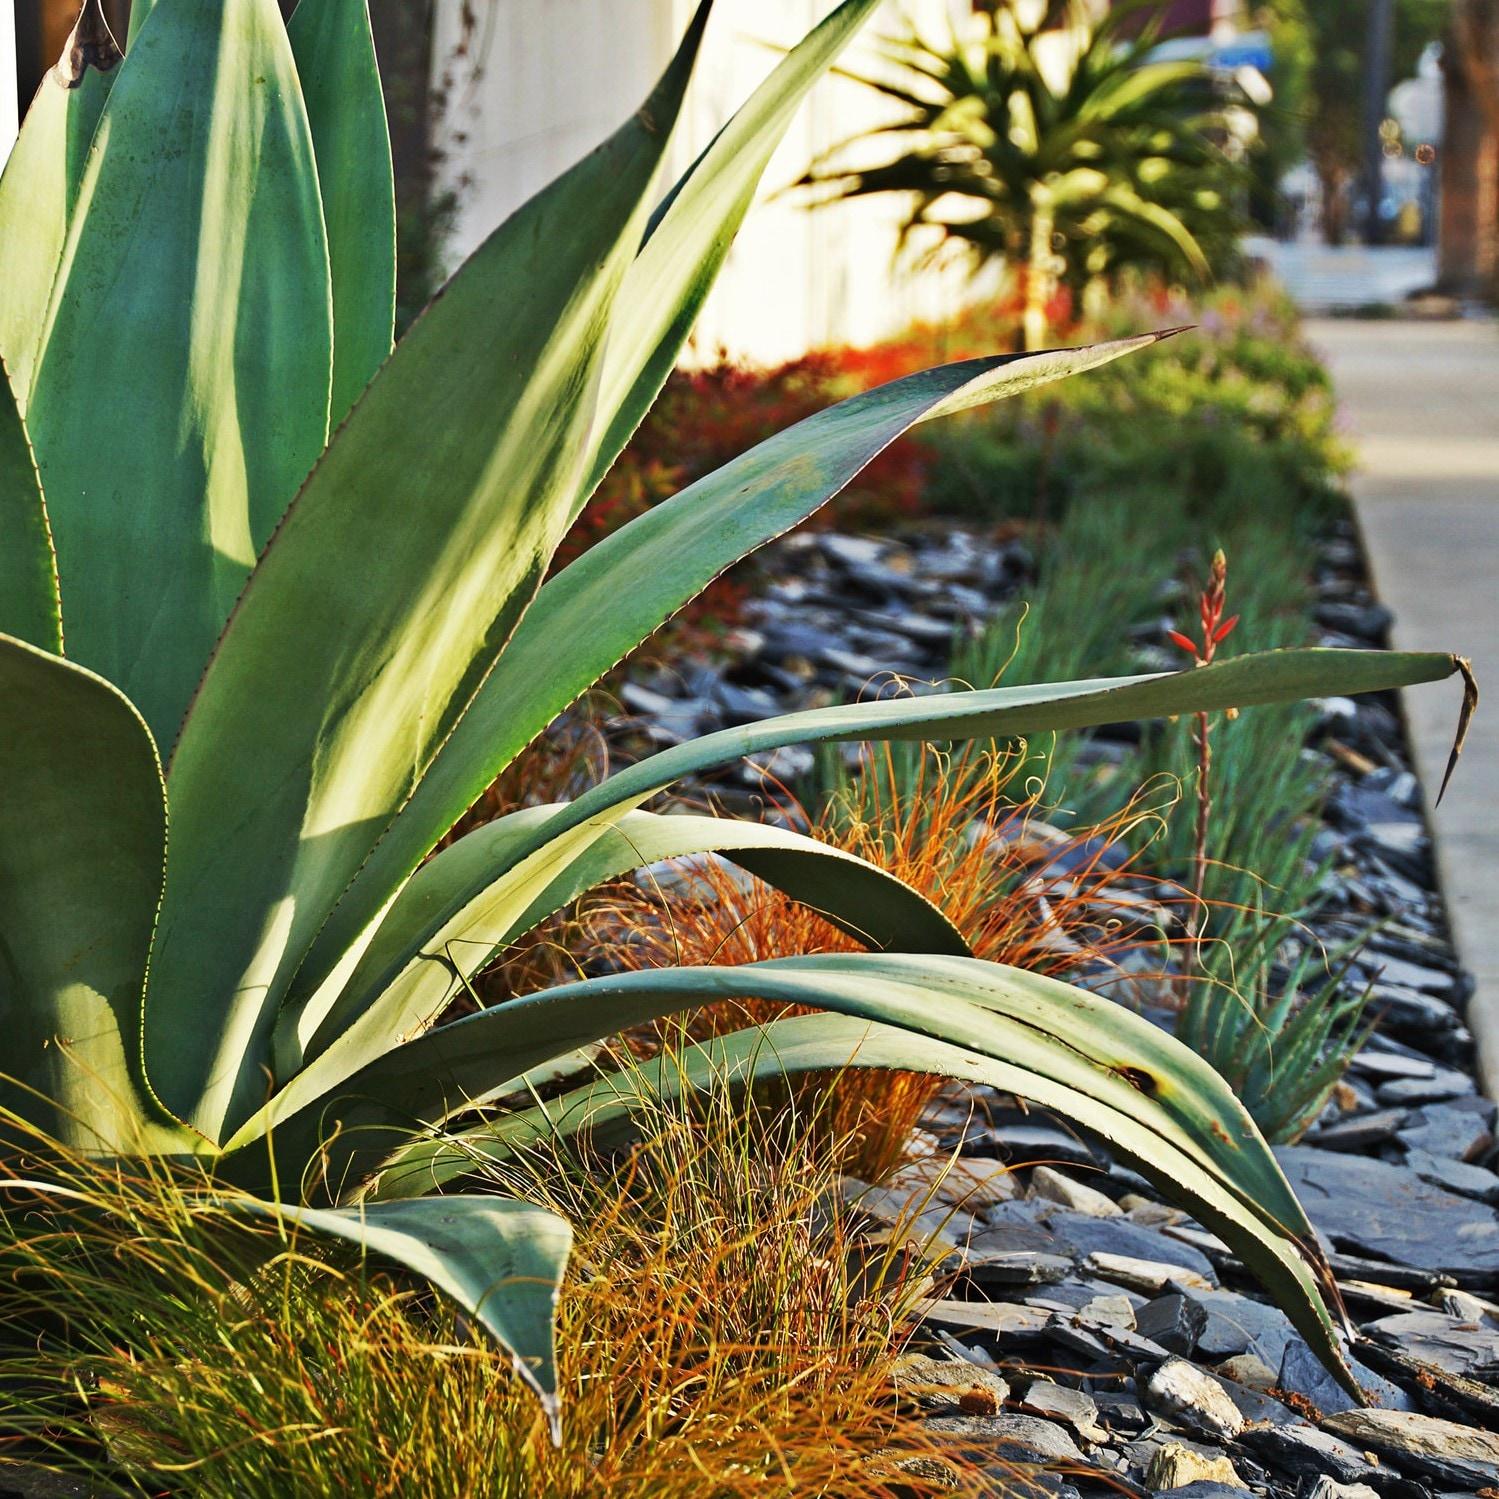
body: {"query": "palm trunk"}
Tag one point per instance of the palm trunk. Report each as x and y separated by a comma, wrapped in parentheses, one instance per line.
(1039, 282)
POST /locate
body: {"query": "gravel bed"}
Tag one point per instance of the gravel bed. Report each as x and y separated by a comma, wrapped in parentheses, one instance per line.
(1165, 1370)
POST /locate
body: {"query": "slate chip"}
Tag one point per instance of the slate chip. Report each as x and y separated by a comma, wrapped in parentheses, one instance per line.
(1373, 1208)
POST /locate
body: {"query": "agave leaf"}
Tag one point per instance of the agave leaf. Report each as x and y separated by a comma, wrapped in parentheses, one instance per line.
(442, 498)
(335, 54)
(1057, 1045)
(82, 845)
(30, 608)
(40, 184)
(163, 486)
(806, 1044)
(501, 1261)
(601, 607)
(453, 917)
(692, 232)
(1012, 712)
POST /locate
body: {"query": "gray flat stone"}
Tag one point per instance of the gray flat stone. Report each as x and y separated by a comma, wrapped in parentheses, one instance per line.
(1460, 1346)
(1236, 1324)
(1439, 1449)
(1016, 1439)
(1134, 1241)
(1459, 1129)
(1302, 1373)
(1384, 1211)
(1477, 1182)
(1301, 1451)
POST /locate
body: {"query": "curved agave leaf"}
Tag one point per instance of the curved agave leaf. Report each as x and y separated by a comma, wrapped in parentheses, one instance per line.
(453, 917)
(40, 185)
(442, 498)
(1012, 712)
(30, 608)
(82, 846)
(162, 489)
(601, 607)
(1057, 1045)
(691, 233)
(501, 1261)
(819, 1044)
(335, 55)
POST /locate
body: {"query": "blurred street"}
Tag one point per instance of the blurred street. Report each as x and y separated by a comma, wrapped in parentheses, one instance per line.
(1421, 400)
(1328, 278)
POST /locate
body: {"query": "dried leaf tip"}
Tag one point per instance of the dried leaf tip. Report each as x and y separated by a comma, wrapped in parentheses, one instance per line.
(90, 44)
(1464, 719)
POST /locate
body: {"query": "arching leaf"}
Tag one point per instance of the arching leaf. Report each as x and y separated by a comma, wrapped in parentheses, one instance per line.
(335, 52)
(373, 617)
(182, 393)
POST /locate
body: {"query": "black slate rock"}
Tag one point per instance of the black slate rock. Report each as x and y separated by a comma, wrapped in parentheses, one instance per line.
(1386, 1212)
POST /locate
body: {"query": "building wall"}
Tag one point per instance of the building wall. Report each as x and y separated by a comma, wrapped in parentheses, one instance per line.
(8, 101)
(536, 85)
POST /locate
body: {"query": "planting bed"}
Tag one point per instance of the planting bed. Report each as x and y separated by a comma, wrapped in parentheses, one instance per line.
(1076, 1322)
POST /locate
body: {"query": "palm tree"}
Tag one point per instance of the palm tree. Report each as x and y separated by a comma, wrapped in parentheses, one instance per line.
(1066, 146)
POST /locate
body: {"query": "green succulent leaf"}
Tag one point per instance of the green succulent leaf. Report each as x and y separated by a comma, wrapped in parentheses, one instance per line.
(501, 1261)
(30, 608)
(1014, 712)
(819, 1044)
(692, 232)
(82, 846)
(601, 607)
(443, 498)
(335, 54)
(455, 915)
(1057, 1045)
(182, 392)
(40, 184)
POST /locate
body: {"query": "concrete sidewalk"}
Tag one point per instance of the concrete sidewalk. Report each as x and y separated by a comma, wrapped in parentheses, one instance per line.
(1422, 404)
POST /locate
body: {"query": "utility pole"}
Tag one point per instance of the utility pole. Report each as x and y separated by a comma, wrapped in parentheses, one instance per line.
(1376, 89)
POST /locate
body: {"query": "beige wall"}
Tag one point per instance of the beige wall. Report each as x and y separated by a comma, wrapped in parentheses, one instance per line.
(556, 76)
(7, 78)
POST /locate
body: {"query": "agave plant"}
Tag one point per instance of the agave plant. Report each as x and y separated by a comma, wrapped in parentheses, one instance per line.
(340, 640)
(1052, 140)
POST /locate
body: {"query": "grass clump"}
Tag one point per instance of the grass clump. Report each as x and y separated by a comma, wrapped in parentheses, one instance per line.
(964, 828)
(719, 1334)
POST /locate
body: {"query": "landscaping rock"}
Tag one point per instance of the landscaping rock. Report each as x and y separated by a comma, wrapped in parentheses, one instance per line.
(1454, 1176)
(1018, 1255)
(1054, 1187)
(1302, 1373)
(1120, 1237)
(1014, 1438)
(1181, 1392)
(1074, 1408)
(1175, 1321)
(1301, 1451)
(948, 1384)
(1452, 1343)
(1438, 1449)
(1176, 1466)
(1459, 1130)
(1377, 1209)
(1148, 1277)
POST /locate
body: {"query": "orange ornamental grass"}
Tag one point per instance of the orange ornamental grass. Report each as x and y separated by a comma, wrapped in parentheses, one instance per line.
(966, 831)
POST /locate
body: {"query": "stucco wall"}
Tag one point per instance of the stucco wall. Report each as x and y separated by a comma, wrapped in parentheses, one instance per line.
(554, 77)
(7, 79)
